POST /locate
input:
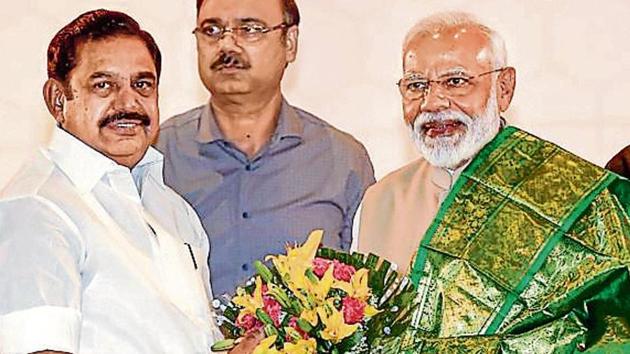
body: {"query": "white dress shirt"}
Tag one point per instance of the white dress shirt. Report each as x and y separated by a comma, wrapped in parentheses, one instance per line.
(95, 258)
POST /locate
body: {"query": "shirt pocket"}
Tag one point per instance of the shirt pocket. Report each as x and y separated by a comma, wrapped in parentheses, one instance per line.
(183, 277)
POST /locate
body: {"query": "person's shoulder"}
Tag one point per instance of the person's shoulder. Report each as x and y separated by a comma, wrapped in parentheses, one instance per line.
(31, 179)
(398, 179)
(190, 117)
(620, 163)
(35, 195)
(340, 139)
(179, 127)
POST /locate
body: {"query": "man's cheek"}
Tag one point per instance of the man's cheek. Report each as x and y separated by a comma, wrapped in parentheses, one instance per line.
(411, 109)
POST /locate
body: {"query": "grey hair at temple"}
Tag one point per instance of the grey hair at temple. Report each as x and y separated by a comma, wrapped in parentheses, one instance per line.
(438, 21)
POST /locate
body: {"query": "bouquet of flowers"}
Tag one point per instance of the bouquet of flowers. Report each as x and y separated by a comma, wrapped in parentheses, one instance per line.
(318, 301)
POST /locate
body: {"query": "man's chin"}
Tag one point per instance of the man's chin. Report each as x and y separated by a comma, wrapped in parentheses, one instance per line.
(450, 142)
(128, 158)
(444, 152)
(230, 87)
(446, 159)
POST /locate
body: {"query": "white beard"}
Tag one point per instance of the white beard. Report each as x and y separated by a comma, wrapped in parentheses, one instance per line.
(452, 151)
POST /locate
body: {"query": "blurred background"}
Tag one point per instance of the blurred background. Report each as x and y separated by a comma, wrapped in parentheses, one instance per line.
(572, 58)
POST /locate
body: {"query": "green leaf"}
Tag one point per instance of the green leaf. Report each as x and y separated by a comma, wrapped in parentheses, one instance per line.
(223, 345)
(263, 271)
(264, 317)
(371, 261)
(304, 325)
(270, 330)
(311, 276)
(348, 343)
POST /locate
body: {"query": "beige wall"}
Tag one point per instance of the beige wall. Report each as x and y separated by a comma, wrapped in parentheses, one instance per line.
(572, 59)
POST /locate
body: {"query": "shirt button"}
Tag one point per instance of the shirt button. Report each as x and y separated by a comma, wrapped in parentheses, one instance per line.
(248, 167)
(245, 267)
(245, 215)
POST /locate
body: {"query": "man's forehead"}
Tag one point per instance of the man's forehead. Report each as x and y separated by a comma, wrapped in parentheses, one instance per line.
(231, 10)
(118, 55)
(464, 46)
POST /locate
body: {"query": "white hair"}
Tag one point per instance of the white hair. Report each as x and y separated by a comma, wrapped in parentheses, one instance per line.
(441, 20)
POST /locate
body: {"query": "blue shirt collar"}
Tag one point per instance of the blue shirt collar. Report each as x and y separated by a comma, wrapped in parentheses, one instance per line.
(289, 125)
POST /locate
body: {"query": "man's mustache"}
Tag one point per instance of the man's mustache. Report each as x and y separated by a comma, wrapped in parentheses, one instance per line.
(141, 117)
(426, 118)
(229, 59)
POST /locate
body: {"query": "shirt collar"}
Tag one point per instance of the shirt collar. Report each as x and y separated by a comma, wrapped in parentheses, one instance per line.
(444, 178)
(85, 166)
(289, 125)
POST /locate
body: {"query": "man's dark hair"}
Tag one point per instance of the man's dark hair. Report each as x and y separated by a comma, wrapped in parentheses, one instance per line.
(290, 10)
(94, 25)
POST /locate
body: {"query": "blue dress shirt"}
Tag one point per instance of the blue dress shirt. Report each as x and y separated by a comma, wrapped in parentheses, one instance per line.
(309, 176)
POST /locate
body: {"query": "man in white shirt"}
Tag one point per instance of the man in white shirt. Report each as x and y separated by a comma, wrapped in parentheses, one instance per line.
(97, 255)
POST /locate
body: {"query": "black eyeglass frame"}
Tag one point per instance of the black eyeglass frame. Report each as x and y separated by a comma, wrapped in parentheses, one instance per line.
(236, 31)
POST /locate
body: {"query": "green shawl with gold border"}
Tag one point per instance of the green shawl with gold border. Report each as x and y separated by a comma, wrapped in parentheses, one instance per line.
(529, 253)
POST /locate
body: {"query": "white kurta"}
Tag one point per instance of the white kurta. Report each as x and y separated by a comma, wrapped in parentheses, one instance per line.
(95, 258)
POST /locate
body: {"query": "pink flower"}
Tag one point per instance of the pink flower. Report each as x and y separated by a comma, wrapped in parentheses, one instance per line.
(249, 323)
(320, 266)
(343, 271)
(353, 310)
(272, 308)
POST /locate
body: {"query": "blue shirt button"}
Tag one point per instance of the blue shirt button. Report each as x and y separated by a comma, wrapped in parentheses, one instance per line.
(245, 267)
(248, 167)
(245, 215)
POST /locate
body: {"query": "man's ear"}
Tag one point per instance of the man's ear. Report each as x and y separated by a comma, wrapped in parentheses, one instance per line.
(505, 88)
(291, 43)
(55, 99)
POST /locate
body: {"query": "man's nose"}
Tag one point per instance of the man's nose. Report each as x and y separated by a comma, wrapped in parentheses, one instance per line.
(435, 99)
(127, 99)
(229, 42)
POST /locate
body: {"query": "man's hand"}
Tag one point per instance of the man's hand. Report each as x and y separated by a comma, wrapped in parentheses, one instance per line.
(248, 344)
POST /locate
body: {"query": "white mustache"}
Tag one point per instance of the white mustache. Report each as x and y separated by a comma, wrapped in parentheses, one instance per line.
(439, 117)
(452, 151)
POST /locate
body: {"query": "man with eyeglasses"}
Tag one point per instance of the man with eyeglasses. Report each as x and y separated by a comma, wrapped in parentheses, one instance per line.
(515, 245)
(259, 172)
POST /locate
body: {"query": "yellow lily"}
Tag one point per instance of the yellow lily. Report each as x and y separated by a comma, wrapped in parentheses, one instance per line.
(358, 285)
(310, 316)
(313, 294)
(250, 303)
(302, 256)
(319, 288)
(265, 346)
(293, 266)
(335, 329)
(370, 311)
(303, 346)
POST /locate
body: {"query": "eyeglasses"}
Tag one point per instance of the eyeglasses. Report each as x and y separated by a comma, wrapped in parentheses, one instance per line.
(247, 33)
(415, 87)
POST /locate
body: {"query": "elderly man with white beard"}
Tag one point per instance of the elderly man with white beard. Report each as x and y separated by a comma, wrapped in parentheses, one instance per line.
(514, 244)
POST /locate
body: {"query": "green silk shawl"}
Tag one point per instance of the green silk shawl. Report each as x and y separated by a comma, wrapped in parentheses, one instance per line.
(529, 253)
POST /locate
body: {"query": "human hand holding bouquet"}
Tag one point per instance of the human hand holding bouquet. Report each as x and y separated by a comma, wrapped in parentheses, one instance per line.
(319, 301)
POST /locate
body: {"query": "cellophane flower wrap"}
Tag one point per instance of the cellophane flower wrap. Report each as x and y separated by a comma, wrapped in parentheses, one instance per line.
(318, 300)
